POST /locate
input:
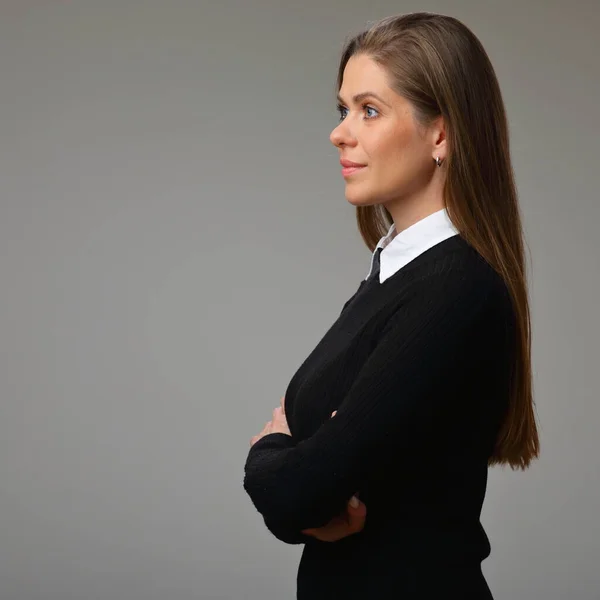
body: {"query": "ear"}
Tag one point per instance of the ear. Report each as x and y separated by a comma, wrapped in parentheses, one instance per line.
(438, 138)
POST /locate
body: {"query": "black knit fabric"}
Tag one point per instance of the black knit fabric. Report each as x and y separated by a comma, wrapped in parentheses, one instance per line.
(418, 368)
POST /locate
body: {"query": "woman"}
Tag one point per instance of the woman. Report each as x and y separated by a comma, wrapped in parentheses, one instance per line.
(427, 369)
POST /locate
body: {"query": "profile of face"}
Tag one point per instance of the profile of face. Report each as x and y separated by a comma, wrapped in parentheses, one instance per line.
(380, 132)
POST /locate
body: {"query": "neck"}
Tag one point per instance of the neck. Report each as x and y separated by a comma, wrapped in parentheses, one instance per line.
(407, 210)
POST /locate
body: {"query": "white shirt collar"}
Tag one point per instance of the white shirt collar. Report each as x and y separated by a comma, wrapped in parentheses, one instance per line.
(404, 247)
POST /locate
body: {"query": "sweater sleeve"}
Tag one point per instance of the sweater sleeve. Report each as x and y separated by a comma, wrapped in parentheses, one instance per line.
(393, 399)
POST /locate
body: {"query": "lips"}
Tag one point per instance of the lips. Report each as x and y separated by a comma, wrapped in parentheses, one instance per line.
(349, 164)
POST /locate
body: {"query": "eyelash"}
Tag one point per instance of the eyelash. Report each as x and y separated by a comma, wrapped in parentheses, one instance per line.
(341, 108)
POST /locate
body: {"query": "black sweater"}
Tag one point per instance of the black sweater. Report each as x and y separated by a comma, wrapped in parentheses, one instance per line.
(418, 368)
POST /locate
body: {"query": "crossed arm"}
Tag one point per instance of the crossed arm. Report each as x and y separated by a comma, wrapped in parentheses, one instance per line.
(389, 407)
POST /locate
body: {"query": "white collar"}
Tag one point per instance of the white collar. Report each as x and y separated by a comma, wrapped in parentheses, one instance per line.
(404, 247)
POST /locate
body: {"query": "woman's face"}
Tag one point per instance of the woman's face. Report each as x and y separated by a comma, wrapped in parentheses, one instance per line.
(381, 134)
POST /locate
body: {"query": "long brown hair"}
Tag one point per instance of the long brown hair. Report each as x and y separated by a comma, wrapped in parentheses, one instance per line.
(441, 67)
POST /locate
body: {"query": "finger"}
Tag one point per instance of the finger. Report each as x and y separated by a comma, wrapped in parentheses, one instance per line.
(278, 416)
(357, 516)
(355, 501)
(356, 523)
(335, 530)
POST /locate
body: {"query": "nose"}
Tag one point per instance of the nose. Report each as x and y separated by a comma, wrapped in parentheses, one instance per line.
(340, 136)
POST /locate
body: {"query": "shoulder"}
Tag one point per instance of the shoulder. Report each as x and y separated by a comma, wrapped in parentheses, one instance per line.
(456, 278)
(453, 261)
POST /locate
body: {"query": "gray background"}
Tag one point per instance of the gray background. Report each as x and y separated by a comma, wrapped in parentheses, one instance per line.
(174, 240)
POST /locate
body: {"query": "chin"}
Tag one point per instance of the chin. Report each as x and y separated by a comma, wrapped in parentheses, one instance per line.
(358, 199)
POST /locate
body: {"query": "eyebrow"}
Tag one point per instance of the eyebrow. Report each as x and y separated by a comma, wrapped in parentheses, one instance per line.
(362, 96)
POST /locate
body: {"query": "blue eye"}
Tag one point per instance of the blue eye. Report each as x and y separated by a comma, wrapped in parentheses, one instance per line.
(341, 110)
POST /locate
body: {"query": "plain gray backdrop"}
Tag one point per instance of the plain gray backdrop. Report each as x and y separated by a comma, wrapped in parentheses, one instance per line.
(174, 241)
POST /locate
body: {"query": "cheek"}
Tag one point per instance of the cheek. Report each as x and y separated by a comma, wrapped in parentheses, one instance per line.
(392, 147)
(397, 163)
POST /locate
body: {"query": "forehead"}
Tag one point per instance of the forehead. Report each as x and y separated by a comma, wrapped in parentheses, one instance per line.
(363, 73)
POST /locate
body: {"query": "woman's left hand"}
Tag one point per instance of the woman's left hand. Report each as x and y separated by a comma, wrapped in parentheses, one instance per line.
(278, 424)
